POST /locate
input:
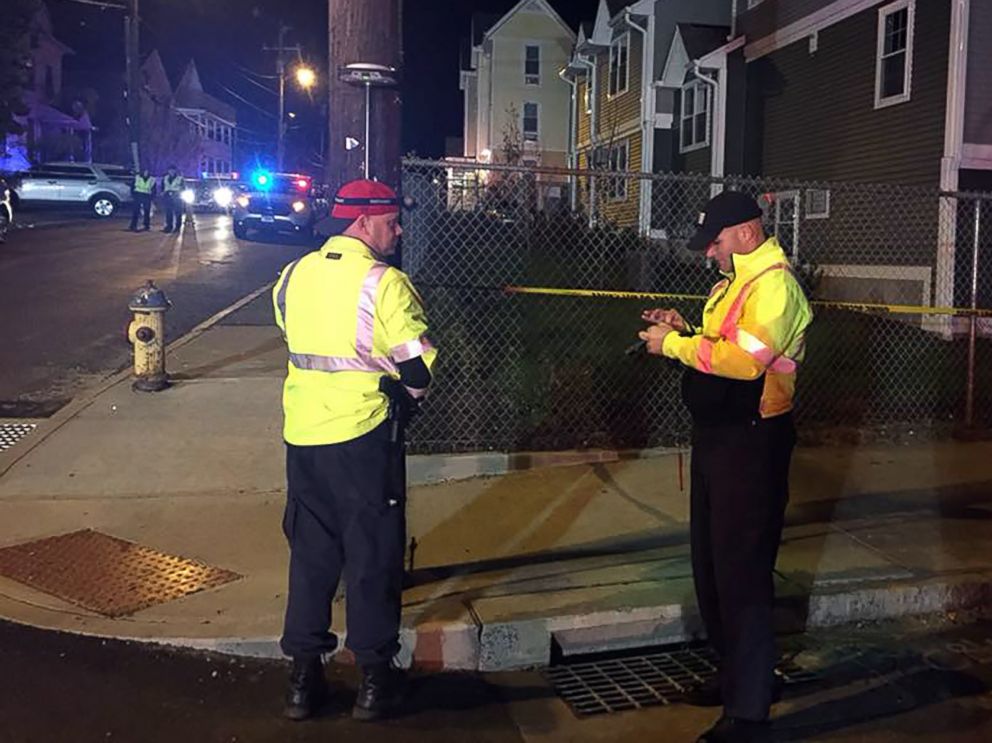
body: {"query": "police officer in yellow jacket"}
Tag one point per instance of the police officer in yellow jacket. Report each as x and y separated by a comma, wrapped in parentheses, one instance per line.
(142, 189)
(738, 383)
(349, 320)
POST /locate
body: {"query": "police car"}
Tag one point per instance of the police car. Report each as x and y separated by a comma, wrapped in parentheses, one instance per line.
(275, 203)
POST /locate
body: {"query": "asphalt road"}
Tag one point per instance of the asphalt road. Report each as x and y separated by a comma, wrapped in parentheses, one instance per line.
(64, 290)
(897, 681)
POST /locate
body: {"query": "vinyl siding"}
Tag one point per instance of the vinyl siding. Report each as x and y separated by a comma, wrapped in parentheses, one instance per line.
(818, 110)
(978, 104)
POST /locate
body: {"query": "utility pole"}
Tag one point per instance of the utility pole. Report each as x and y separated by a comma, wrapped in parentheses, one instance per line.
(280, 49)
(363, 31)
(132, 56)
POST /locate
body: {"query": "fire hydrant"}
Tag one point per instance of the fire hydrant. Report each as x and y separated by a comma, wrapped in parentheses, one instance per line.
(147, 335)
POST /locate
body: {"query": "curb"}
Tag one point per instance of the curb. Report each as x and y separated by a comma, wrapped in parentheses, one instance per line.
(529, 642)
(431, 469)
(47, 426)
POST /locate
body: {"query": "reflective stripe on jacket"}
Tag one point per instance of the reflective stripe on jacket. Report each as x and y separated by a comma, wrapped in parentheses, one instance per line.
(754, 323)
(348, 320)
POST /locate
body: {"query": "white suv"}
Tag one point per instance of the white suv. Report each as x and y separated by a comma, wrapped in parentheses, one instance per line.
(102, 188)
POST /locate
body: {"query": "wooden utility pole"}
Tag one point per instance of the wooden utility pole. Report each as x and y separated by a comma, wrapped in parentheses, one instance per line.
(368, 31)
(132, 50)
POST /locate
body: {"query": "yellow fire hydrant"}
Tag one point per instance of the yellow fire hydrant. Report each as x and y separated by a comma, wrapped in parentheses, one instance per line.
(147, 335)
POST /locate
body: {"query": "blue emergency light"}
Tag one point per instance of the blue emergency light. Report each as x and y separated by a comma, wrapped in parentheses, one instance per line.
(262, 179)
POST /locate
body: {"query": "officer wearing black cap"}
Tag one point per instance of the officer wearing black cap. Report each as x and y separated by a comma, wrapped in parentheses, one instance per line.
(359, 357)
(738, 384)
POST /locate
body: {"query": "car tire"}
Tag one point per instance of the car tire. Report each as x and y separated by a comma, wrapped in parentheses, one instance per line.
(104, 205)
(240, 231)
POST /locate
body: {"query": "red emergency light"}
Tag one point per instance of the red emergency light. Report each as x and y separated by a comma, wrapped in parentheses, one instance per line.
(303, 183)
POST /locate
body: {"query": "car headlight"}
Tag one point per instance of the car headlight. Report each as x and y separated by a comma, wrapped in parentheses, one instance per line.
(223, 197)
(188, 196)
(243, 202)
(299, 206)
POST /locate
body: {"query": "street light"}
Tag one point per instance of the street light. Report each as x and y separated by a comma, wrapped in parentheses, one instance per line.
(368, 75)
(306, 77)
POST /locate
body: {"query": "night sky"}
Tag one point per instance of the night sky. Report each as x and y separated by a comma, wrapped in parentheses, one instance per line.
(226, 39)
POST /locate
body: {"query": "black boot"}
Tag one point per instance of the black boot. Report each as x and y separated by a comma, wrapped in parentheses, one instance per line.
(307, 688)
(381, 693)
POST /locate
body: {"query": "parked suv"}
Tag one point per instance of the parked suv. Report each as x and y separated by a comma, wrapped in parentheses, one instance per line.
(275, 202)
(101, 188)
(6, 209)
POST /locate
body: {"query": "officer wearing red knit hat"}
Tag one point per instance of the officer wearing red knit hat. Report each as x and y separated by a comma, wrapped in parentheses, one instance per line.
(358, 354)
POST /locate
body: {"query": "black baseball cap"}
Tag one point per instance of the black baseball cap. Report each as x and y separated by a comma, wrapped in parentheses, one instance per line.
(723, 210)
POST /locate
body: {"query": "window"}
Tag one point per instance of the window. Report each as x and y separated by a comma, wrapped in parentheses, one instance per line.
(817, 203)
(894, 63)
(532, 65)
(619, 154)
(587, 97)
(785, 220)
(620, 65)
(695, 131)
(532, 122)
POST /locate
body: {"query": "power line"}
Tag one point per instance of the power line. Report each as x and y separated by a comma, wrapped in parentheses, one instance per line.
(245, 100)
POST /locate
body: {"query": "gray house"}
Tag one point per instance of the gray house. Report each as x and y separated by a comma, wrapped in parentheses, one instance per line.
(863, 91)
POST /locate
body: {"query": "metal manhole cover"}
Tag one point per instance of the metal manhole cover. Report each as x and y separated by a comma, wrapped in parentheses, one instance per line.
(107, 575)
(11, 433)
(637, 681)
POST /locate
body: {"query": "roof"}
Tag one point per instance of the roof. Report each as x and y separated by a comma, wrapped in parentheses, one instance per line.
(190, 94)
(540, 6)
(616, 6)
(700, 39)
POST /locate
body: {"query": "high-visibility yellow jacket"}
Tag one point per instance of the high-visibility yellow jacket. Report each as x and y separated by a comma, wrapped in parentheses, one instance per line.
(173, 184)
(754, 323)
(143, 185)
(348, 320)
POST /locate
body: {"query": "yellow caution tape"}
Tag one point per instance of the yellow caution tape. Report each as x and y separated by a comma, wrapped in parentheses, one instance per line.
(895, 309)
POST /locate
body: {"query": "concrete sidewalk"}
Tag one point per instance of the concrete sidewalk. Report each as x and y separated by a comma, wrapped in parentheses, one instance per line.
(591, 556)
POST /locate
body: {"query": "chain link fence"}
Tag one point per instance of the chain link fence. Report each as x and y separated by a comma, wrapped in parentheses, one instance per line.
(887, 265)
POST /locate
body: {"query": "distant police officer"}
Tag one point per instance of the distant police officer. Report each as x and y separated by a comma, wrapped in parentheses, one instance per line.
(349, 320)
(738, 385)
(173, 184)
(141, 192)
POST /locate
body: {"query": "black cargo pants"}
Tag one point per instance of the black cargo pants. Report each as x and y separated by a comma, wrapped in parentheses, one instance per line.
(346, 515)
(739, 491)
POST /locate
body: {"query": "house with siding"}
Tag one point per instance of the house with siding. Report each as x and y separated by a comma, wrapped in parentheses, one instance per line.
(862, 91)
(52, 128)
(623, 117)
(510, 69)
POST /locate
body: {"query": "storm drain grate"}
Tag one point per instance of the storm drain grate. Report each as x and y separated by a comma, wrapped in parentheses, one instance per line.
(11, 433)
(107, 575)
(638, 681)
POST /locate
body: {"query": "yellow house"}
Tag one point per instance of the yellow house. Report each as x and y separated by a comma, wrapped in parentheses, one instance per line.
(512, 87)
(622, 113)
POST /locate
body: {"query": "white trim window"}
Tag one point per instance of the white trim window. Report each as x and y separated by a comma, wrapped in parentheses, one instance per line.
(620, 65)
(587, 97)
(894, 53)
(817, 203)
(619, 159)
(694, 133)
(532, 64)
(531, 123)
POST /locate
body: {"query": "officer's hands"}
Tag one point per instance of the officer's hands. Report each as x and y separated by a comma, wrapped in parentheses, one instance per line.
(654, 337)
(672, 318)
